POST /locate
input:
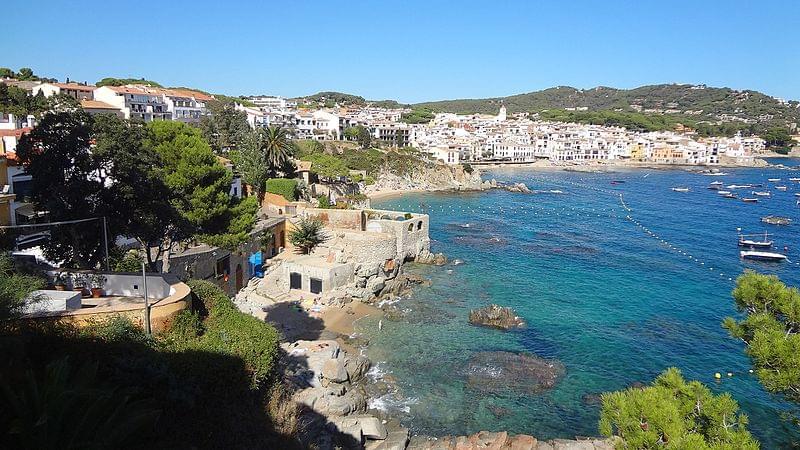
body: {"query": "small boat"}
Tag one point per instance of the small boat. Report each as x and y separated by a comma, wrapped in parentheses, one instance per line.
(723, 192)
(716, 183)
(761, 193)
(776, 220)
(617, 181)
(680, 189)
(713, 188)
(715, 174)
(729, 196)
(747, 240)
(797, 194)
(773, 180)
(555, 191)
(750, 200)
(762, 256)
(794, 179)
(739, 186)
(780, 188)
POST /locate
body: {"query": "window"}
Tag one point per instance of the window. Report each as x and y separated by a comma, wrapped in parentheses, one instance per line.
(316, 285)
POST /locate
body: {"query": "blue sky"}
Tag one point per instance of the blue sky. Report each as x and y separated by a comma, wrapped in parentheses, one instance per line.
(410, 50)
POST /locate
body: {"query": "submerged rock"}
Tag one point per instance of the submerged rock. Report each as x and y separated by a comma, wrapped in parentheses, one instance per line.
(495, 316)
(499, 372)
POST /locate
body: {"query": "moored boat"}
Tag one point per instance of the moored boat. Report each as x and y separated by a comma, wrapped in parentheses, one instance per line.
(780, 188)
(750, 200)
(723, 192)
(773, 180)
(762, 256)
(680, 189)
(794, 179)
(716, 183)
(761, 193)
(749, 241)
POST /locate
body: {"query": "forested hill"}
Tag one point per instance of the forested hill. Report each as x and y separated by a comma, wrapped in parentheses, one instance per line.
(662, 98)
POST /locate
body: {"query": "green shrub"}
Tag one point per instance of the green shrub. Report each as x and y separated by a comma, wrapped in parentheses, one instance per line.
(129, 262)
(115, 329)
(186, 328)
(468, 168)
(324, 202)
(229, 331)
(283, 186)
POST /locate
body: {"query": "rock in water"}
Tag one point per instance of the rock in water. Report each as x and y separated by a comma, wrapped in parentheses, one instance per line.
(495, 316)
(436, 259)
(499, 372)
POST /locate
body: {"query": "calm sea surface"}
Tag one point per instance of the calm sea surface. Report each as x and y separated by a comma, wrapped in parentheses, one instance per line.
(617, 302)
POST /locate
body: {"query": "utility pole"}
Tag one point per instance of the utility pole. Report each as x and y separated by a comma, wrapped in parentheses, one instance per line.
(146, 302)
(105, 242)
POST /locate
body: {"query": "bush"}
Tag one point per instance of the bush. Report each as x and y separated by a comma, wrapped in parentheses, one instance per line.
(130, 262)
(468, 168)
(324, 202)
(227, 330)
(283, 186)
(308, 233)
(115, 329)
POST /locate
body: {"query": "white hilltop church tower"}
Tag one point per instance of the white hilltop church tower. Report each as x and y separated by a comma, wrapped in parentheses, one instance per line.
(501, 116)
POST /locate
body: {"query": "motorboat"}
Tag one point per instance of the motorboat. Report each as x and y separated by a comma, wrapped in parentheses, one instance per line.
(680, 189)
(731, 195)
(780, 188)
(723, 192)
(761, 193)
(773, 180)
(716, 183)
(794, 179)
(738, 186)
(762, 256)
(750, 200)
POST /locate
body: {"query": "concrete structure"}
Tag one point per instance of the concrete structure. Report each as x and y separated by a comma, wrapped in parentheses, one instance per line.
(74, 90)
(123, 296)
(135, 102)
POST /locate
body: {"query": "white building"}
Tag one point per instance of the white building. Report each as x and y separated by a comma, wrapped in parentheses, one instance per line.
(135, 102)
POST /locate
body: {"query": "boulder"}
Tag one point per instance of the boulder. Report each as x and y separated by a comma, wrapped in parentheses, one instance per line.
(495, 316)
(436, 259)
(357, 367)
(498, 372)
(375, 285)
(334, 371)
(395, 440)
(371, 428)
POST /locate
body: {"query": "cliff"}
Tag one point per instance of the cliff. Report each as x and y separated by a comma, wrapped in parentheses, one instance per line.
(427, 177)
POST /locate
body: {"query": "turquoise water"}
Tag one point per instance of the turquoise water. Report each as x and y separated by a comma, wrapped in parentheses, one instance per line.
(611, 301)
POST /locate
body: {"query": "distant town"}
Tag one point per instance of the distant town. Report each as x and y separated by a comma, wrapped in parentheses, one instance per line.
(451, 138)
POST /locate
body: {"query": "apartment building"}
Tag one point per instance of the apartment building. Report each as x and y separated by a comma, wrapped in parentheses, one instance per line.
(135, 102)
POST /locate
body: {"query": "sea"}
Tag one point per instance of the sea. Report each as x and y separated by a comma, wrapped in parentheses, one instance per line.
(616, 275)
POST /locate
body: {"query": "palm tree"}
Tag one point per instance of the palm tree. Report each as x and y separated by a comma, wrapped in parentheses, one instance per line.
(307, 234)
(278, 146)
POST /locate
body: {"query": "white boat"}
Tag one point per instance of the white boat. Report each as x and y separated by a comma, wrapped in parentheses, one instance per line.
(715, 174)
(556, 191)
(680, 189)
(773, 180)
(716, 183)
(780, 188)
(762, 256)
(794, 179)
(761, 193)
(750, 200)
(797, 194)
(746, 240)
(723, 192)
(738, 186)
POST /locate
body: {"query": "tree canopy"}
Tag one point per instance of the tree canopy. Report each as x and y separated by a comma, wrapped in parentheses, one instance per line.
(225, 127)
(675, 414)
(771, 330)
(111, 81)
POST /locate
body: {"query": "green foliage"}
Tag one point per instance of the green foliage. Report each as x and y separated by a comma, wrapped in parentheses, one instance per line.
(335, 97)
(468, 168)
(251, 162)
(420, 115)
(778, 137)
(17, 101)
(242, 218)
(116, 328)
(630, 120)
(323, 202)
(129, 262)
(111, 81)
(286, 187)
(66, 180)
(674, 414)
(277, 147)
(225, 127)
(227, 330)
(233, 100)
(308, 233)
(69, 407)
(771, 330)
(364, 137)
(15, 287)
(328, 166)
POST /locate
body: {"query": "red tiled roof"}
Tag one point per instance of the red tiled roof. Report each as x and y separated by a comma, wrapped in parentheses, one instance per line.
(75, 86)
(16, 132)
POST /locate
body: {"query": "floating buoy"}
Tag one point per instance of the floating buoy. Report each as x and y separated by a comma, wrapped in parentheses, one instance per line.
(730, 374)
(751, 371)
(717, 375)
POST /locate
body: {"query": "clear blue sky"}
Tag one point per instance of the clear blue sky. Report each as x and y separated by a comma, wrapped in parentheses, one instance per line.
(410, 50)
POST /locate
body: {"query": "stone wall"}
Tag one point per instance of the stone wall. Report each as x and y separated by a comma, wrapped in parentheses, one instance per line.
(348, 219)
